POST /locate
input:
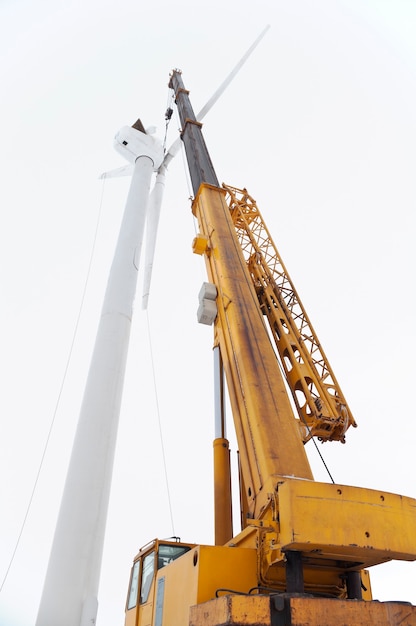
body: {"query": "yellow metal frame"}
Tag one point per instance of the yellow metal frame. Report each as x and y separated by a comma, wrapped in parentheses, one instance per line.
(334, 529)
(322, 408)
(263, 415)
(298, 536)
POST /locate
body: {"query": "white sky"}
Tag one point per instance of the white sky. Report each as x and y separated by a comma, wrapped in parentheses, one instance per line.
(320, 126)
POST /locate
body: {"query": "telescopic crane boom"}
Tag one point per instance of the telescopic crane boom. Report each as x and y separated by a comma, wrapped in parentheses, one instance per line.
(304, 547)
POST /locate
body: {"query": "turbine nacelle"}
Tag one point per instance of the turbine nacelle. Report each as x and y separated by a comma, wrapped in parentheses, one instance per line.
(133, 143)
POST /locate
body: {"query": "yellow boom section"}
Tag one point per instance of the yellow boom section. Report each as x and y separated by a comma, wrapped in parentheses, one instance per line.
(269, 439)
(321, 406)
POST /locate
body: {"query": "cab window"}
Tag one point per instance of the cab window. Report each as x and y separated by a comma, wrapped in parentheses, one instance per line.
(134, 585)
(168, 553)
(147, 576)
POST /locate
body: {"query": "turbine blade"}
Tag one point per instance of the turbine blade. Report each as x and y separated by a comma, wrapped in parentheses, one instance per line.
(230, 76)
(156, 196)
(153, 213)
(125, 170)
(175, 147)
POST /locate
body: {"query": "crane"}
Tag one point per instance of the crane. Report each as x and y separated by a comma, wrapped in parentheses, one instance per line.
(304, 549)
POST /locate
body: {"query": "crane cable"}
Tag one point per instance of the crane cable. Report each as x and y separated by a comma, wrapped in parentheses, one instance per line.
(60, 391)
(184, 162)
(155, 386)
(190, 195)
(284, 376)
(321, 457)
(168, 116)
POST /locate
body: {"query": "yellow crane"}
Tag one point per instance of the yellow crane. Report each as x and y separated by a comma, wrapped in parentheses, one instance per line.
(304, 549)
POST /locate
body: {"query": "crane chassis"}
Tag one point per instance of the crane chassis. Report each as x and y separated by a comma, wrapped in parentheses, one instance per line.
(304, 549)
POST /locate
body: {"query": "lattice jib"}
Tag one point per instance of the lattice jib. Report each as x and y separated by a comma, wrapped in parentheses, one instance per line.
(321, 406)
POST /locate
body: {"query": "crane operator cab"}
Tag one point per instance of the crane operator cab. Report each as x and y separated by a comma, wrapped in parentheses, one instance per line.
(145, 597)
(169, 578)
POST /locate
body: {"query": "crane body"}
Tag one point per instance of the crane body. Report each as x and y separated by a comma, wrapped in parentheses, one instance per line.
(304, 548)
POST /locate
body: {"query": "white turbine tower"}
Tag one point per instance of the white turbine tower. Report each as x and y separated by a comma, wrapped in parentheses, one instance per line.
(70, 593)
(71, 585)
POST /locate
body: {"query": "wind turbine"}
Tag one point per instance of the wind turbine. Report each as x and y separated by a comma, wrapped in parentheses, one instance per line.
(156, 196)
(70, 593)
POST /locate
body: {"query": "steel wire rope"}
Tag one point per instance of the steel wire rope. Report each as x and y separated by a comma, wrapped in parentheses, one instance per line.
(155, 387)
(168, 116)
(57, 403)
(202, 269)
(307, 427)
(184, 162)
(321, 457)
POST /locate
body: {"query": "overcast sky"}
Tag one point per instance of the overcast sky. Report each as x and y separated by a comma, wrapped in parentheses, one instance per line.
(320, 127)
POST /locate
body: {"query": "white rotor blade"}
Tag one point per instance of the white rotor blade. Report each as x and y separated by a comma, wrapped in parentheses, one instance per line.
(230, 77)
(153, 213)
(125, 170)
(157, 192)
(174, 149)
